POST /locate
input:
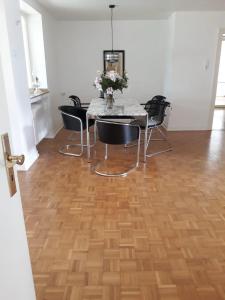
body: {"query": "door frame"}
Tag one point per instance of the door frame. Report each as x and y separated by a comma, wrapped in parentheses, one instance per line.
(220, 38)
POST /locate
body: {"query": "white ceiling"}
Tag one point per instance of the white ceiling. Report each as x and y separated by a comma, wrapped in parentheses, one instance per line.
(127, 9)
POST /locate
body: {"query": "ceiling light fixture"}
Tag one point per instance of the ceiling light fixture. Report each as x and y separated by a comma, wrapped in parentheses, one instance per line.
(112, 56)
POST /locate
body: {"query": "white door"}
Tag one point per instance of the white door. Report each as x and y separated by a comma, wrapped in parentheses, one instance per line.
(16, 280)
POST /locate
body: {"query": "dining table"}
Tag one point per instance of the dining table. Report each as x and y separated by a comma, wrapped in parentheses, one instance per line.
(122, 109)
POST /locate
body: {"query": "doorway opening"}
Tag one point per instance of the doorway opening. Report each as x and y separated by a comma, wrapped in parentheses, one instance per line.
(219, 108)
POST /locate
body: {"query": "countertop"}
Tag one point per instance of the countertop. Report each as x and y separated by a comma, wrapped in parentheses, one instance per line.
(35, 97)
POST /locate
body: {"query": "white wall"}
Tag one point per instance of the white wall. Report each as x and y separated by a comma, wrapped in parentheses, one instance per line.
(192, 65)
(80, 48)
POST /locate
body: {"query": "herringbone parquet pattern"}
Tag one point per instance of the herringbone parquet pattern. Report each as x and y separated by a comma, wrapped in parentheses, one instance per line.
(158, 234)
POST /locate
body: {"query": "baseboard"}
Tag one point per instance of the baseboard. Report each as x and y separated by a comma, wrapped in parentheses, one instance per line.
(188, 129)
(52, 135)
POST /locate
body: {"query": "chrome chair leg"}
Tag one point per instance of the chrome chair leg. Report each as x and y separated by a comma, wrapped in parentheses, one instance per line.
(163, 139)
(149, 137)
(114, 174)
(106, 151)
(138, 150)
(95, 133)
(73, 137)
(133, 167)
(111, 174)
(65, 149)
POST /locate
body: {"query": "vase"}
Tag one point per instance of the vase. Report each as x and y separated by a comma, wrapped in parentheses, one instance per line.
(109, 101)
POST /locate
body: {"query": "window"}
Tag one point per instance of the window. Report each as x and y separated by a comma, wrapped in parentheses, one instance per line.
(31, 21)
(26, 50)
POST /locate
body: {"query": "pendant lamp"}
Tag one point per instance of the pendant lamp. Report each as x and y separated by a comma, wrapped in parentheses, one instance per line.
(112, 56)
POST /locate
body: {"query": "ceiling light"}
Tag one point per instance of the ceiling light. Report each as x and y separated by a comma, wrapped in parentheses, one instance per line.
(112, 56)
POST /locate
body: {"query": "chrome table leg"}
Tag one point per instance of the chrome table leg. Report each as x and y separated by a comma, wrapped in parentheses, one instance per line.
(88, 140)
(146, 138)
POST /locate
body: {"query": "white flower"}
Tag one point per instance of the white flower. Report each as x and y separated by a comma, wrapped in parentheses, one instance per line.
(109, 91)
(104, 78)
(98, 79)
(98, 87)
(97, 83)
(112, 75)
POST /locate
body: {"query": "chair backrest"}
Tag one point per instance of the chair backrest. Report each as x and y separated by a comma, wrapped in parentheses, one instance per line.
(74, 118)
(115, 133)
(76, 100)
(156, 110)
(159, 98)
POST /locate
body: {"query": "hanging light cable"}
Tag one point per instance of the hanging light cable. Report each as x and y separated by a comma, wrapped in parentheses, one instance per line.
(112, 56)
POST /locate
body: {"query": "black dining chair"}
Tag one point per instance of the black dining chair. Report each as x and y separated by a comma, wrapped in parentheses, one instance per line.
(159, 98)
(77, 103)
(74, 119)
(156, 109)
(76, 100)
(114, 133)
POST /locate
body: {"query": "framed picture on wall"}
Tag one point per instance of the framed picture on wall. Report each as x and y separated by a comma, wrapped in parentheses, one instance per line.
(118, 66)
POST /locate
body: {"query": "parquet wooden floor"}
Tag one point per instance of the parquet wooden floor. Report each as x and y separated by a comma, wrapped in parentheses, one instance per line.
(158, 234)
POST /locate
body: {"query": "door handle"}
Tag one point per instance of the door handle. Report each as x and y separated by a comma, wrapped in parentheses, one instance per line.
(16, 159)
(10, 161)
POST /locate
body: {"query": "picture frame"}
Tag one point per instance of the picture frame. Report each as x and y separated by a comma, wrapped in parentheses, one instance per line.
(119, 66)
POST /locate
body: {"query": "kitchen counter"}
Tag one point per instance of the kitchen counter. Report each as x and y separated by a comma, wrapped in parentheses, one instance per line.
(35, 97)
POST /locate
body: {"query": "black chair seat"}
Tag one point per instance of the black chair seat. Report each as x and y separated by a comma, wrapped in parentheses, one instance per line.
(114, 133)
(117, 133)
(153, 122)
(74, 119)
(71, 123)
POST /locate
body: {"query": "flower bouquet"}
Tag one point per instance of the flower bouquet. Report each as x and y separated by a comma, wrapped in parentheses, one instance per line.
(109, 82)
